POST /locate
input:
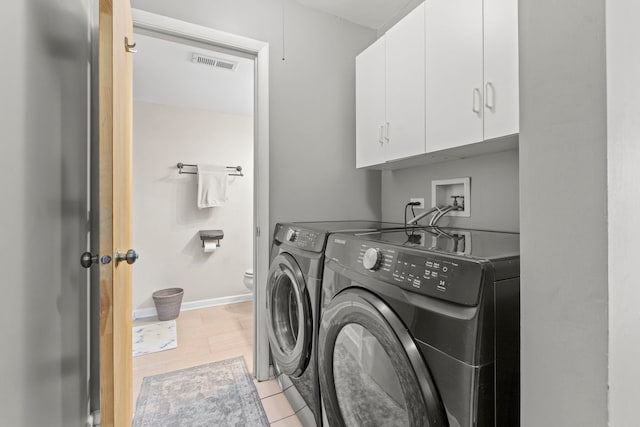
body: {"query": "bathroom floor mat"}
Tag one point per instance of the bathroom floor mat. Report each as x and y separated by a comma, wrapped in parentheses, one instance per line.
(154, 337)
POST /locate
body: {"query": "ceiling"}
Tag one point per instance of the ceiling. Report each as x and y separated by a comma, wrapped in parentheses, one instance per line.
(163, 73)
(373, 14)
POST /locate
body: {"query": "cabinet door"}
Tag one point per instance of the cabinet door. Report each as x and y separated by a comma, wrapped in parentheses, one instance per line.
(454, 81)
(501, 68)
(370, 104)
(405, 86)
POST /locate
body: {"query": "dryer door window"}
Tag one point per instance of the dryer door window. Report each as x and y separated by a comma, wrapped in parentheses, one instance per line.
(289, 315)
(371, 372)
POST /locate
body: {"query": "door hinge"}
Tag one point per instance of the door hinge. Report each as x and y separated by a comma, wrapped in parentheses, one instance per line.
(257, 231)
(129, 47)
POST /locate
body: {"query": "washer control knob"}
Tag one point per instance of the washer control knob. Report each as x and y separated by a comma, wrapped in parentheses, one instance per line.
(372, 259)
(291, 235)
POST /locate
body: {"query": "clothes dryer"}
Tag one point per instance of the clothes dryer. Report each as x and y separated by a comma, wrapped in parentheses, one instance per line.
(420, 328)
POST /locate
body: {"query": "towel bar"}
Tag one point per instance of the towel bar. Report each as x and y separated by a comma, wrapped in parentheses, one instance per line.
(181, 166)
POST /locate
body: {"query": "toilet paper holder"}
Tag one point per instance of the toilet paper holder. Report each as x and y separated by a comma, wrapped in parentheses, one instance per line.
(209, 235)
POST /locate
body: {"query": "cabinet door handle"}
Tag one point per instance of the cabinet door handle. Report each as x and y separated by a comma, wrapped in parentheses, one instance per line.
(489, 96)
(386, 134)
(477, 96)
(380, 136)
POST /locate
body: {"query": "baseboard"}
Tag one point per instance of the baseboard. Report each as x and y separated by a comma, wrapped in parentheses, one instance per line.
(142, 313)
(94, 419)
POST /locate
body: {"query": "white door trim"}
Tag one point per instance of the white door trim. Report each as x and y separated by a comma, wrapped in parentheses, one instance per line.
(260, 51)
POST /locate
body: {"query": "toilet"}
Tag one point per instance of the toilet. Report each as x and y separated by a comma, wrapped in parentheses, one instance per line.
(247, 279)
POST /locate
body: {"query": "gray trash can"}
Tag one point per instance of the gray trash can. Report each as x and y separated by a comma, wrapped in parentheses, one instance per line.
(168, 302)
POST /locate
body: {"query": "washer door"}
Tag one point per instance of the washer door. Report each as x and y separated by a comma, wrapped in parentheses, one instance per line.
(289, 321)
(371, 373)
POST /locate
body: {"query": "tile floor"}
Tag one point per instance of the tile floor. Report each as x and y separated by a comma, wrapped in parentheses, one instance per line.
(212, 334)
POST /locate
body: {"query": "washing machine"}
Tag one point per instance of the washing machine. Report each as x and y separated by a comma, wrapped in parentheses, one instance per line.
(293, 304)
(420, 328)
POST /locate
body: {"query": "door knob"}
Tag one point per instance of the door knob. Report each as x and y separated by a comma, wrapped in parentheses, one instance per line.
(87, 259)
(131, 256)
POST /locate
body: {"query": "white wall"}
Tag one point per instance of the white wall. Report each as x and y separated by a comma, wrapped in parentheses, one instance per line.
(43, 216)
(494, 190)
(166, 219)
(623, 134)
(312, 103)
(563, 213)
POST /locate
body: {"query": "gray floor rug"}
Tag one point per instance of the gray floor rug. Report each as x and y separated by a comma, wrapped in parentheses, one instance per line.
(216, 394)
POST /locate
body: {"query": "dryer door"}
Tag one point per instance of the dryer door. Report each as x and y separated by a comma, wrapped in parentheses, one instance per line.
(289, 321)
(371, 373)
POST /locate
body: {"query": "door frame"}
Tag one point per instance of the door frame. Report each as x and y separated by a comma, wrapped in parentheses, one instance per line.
(259, 50)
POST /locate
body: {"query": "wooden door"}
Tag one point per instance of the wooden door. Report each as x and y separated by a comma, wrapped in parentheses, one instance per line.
(454, 73)
(116, 74)
(370, 105)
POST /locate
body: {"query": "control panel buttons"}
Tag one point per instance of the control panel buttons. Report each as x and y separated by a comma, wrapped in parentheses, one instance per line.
(372, 259)
(433, 275)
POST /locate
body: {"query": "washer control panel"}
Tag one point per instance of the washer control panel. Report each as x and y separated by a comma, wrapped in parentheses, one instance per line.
(301, 238)
(429, 273)
(291, 235)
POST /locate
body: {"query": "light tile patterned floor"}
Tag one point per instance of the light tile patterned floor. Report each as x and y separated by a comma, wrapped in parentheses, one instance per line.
(212, 334)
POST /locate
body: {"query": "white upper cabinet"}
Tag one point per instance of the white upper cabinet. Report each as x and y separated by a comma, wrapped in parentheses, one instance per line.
(453, 73)
(501, 112)
(370, 105)
(443, 79)
(390, 94)
(472, 71)
(405, 86)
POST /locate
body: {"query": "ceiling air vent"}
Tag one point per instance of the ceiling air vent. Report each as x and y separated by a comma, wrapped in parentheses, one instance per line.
(214, 62)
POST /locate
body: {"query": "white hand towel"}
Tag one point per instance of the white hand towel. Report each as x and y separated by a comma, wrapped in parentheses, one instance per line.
(212, 186)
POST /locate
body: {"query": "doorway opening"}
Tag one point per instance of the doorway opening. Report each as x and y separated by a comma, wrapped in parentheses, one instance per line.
(192, 105)
(223, 122)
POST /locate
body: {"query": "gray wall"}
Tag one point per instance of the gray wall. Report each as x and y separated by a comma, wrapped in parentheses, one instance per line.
(563, 213)
(494, 190)
(312, 103)
(43, 117)
(411, 4)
